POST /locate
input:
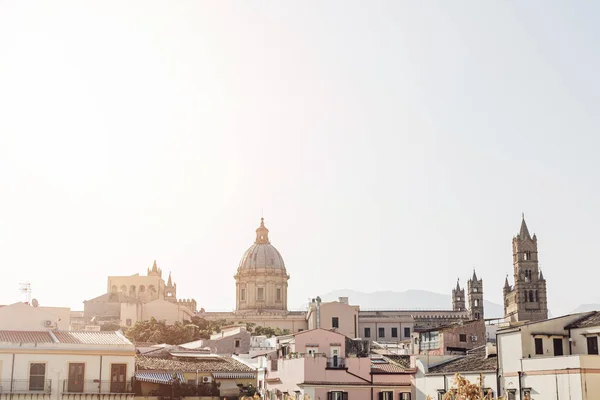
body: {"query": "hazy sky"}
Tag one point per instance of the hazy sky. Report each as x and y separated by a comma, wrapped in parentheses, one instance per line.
(392, 145)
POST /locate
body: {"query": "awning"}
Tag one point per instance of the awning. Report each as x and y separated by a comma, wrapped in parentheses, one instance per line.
(234, 375)
(165, 378)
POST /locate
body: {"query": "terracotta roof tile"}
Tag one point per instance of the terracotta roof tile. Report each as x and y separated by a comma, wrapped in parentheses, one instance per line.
(592, 319)
(26, 337)
(224, 364)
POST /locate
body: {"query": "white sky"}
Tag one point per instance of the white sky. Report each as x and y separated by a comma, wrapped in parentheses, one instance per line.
(392, 145)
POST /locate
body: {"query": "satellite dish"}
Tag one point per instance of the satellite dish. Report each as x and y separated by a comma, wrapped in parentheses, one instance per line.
(35, 303)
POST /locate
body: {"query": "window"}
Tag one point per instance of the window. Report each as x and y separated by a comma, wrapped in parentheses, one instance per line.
(278, 294)
(114, 289)
(536, 296)
(312, 350)
(394, 332)
(142, 289)
(558, 346)
(405, 396)
(386, 395)
(243, 295)
(335, 323)
(128, 322)
(474, 290)
(367, 332)
(273, 364)
(406, 332)
(260, 293)
(539, 346)
(531, 296)
(337, 396)
(37, 376)
(381, 332)
(441, 394)
(236, 343)
(476, 315)
(463, 337)
(512, 394)
(592, 344)
(476, 303)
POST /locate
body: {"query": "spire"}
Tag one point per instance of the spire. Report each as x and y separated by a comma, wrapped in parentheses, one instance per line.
(474, 276)
(262, 233)
(506, 285)
(154, 267)
(169, 283)
(541, 275)
(457, 285)
(524, 232)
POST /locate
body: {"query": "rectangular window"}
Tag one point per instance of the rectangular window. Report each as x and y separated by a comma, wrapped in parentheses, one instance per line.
(381, 332)
(394, 332)
(539, 346)
(386, 395)
(406, 332)
(337, 396)
(128, 322)
(76, 376)
(335, 323)
(441, 394)
(463, 337)
(367, 332)
(243, 295)
(592, 344)
(558, 346)
(405, 396)
(260, 293)
(37, 376)
(512, 393)
(237, 343)
(278, 294)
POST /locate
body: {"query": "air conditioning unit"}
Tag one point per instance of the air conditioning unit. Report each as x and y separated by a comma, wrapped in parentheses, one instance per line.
(47, 323)
(206, 379)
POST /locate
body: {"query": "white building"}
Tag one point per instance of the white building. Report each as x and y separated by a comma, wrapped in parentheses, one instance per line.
(435, 374)
(552, 359)
(49, 364)
(19, 316)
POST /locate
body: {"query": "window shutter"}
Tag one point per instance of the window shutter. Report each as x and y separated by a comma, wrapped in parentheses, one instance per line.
(345, 396)
(380, 395)
(329, 395)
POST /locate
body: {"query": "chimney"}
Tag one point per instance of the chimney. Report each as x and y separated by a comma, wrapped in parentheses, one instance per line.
(343, 300)
(490, 350)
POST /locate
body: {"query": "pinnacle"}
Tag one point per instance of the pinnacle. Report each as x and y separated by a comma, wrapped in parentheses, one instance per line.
(524, 232)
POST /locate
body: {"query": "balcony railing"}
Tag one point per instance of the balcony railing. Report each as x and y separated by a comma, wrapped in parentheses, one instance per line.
(336, 362)
(96, 386)
(39, 386)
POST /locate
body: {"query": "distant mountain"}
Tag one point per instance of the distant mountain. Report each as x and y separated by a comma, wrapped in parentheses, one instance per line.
(409, 299)
(586, 308)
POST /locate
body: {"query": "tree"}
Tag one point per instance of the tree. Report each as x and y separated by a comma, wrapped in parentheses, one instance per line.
(159, 332)
(111, 327)
(269, 332)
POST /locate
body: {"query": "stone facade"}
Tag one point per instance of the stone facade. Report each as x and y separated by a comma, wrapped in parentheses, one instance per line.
(452, 339)
(527, 299)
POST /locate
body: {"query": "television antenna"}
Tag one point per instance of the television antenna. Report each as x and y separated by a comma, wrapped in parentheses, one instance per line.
(25, 288)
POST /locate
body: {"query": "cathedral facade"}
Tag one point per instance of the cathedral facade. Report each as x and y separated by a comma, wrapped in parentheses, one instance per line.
(526, 300)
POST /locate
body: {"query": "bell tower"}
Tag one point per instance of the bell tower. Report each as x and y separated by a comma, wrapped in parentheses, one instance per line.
(527, 300)
(475, 289)
(458, 298)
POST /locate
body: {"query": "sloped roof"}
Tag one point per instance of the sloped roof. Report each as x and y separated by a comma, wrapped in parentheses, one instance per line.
(387, 365)
(474, 361)
(26, 337)
(224, 364)
(592, 319)
(83, 337)
(403, 360)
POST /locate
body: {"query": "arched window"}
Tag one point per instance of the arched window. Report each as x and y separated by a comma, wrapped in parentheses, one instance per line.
(531, 296)
(142, 288)
(132, 290)
(536, 295)
(526, 297)
(114, 289)
(124, 289)
(151, 289)
(476, 303)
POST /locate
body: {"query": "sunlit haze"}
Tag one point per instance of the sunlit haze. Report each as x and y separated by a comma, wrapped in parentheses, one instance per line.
(389, 145)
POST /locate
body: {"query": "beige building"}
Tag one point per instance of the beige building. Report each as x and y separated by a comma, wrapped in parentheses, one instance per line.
(46, 364)
(22, 316)
(551, 359)
(138, 298)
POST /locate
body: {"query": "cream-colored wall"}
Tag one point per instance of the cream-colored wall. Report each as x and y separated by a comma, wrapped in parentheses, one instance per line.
(295, 323)
(57, 365)
(325, 339)
(20, 316)
(137, 281)
(267, 278)
(165, 310)
(131, 311)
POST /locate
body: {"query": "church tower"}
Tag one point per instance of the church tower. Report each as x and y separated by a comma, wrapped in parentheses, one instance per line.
(527, 300)
(475, 290)
(458, 298)
(171, 290)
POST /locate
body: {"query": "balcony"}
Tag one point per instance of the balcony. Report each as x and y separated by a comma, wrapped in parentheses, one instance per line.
(336, 363)
(33, 386)
(95, 387)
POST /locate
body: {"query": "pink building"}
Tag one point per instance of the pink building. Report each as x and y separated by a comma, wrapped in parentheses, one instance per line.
(327, 365)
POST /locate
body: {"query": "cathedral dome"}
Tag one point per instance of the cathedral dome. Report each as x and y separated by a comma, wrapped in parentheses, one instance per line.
(262, 254)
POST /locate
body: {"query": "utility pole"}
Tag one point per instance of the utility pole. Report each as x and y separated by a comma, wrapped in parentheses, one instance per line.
(25, 288)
